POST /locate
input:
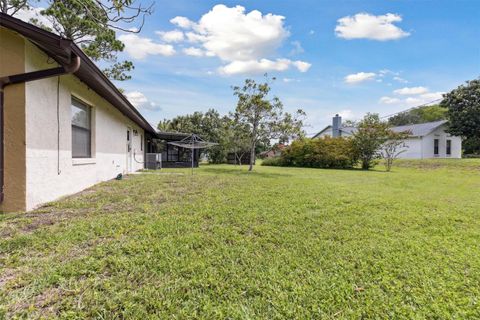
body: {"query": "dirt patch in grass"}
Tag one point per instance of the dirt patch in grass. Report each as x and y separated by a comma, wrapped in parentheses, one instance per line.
(42, 306)
(31, 222)
(6, 276)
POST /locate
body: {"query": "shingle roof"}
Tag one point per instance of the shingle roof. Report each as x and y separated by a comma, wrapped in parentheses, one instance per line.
(420, 130)
(416, 130)
(349, 130)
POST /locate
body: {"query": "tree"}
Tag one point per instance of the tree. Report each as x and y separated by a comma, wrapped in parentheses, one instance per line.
(91, 24)
(463, 105)
(393, 147)
(12, 7)
(261, 114)
(209, 126)
(371, 134)
(471, 146)
(165, 125)
(290, 127)
(419, 115)
(237, 137)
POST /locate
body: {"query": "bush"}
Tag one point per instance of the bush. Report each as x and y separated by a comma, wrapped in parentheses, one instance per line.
(320, 153)
(273, 161)
(471, 156)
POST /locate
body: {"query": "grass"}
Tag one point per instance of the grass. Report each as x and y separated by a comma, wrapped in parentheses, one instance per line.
(276, 243)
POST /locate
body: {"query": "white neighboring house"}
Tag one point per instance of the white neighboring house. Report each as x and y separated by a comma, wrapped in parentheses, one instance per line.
(426, 140)
(63, 125)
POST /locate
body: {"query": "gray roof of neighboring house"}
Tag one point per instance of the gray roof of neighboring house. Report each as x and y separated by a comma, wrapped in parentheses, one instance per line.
(416, 130)
(420, 130)
(349, 130)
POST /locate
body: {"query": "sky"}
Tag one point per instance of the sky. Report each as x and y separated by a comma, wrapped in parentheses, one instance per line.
(328, 57)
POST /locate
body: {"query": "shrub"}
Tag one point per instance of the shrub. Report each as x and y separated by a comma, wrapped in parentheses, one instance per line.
(320, 153)
(471, 156)
(273, 161)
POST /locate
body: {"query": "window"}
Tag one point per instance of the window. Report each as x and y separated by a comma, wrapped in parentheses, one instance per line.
(141, 142)
(81, 130)
(172, 153)
(449, 148)
(435, 147)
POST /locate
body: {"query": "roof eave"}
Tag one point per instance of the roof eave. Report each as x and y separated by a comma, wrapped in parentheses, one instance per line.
(322, 131)
(61, 49)
(109, 90)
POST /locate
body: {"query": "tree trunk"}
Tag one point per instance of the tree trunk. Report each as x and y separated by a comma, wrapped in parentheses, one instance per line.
(252, 157)
(239, 157)
(366, 164)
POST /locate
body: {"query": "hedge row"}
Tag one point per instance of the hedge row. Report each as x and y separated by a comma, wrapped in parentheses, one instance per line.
(317, 153)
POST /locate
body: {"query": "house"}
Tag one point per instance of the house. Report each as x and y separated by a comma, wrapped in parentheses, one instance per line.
(426, 140)
(276, 151)
(64, 126)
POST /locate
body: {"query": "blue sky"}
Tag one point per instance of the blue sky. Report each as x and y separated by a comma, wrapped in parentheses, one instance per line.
(383, 56)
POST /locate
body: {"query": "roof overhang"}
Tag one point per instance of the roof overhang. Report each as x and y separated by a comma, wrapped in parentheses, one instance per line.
(62, 50)
(171, 136)
(322, 131)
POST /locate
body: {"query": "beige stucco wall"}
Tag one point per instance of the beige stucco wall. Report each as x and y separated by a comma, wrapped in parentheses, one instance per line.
(12, 53)
(50, 170)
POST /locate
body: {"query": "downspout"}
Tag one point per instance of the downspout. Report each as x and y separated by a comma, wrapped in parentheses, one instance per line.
(26, 77)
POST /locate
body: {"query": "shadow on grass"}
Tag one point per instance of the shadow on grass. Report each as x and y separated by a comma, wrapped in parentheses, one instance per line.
(242, 171)
(354, 169)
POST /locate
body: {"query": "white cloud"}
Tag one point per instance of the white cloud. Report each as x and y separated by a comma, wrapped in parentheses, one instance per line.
(287, 80)
(139, 100)
(385, 72)
(389, 100)
(417, 97)
(359, 77)
(244, 41)
(139, 48)
(297, 48)
(411, 91)
(192, 51)
(233, 35)
(261, 66)
(424, 99)
(399, 79)
(171, 36)
(368, 26)
(182, 22)
(311, 32)
(33, 13)
(302, 66)
(136, 98)
(347, 114)
(432, 96)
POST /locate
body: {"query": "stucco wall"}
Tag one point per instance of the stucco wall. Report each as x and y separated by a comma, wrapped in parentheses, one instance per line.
(12, 48)
(442, 136)
(412, 149)
(51, 171)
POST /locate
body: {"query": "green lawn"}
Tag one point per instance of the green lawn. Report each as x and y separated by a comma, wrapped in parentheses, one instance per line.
(276, 243)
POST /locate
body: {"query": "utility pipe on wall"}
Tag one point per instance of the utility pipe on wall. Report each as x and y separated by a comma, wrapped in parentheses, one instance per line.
(26, 77)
